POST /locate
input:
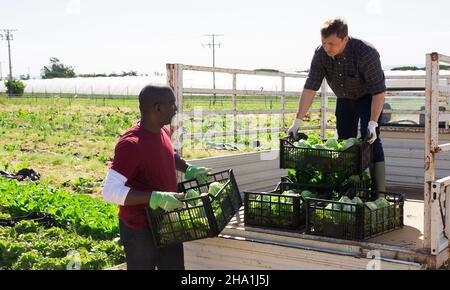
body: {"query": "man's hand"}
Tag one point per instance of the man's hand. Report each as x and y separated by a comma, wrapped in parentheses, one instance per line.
(293, 130)
(199, 173)
(372, 132)
(168, 201)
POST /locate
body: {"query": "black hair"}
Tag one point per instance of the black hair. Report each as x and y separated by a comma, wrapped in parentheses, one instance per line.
(151, 95)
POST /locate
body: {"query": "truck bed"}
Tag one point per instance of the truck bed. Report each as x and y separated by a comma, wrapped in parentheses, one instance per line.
(240, 247)
(244, 247)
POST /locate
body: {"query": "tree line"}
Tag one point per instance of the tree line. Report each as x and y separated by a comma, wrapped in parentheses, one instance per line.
(57, 69)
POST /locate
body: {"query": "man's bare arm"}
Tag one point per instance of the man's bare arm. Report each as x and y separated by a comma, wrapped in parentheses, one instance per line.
(377, 106)
(135, 197)
(180, 163)
(305, 103)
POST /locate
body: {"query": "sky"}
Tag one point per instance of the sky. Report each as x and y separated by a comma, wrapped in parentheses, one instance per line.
(99, 36)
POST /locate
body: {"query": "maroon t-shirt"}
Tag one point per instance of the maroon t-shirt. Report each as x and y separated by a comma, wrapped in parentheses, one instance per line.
(147, 160)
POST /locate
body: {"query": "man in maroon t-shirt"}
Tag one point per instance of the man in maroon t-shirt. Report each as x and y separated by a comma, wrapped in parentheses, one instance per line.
(143, 173)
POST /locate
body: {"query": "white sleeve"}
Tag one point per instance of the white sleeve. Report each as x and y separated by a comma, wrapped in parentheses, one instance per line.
(114, 189)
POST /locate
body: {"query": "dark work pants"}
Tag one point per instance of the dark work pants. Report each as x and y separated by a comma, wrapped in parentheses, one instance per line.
(348, 113)
(142, 254)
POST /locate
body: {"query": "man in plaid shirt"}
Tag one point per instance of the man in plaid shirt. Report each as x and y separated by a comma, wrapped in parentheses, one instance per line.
(353, 70)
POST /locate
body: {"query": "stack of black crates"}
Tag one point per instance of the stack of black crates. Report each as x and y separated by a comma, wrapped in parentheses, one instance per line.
(285, 208)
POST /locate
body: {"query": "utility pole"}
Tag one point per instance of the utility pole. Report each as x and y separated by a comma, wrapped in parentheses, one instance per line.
(6, 34)
(213, 45)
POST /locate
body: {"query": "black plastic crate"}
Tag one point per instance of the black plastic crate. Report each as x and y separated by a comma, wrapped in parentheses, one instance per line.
(278, 210)
(201, 217)
(226, 203)
(352, 161)
(354, 221)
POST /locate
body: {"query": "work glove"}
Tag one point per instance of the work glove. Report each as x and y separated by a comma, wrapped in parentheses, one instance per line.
(199, 173)
(167, 201)
(372, 132)
(293, 130)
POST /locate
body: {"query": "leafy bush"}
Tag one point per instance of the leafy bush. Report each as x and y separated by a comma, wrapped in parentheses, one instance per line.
(15, 87)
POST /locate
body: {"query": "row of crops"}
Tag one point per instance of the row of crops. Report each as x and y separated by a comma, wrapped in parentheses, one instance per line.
(82, 232)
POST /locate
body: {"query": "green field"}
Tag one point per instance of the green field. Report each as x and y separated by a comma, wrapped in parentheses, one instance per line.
(71, 141)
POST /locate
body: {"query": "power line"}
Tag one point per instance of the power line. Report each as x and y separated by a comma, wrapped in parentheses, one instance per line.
(8, 36)
(213, 45)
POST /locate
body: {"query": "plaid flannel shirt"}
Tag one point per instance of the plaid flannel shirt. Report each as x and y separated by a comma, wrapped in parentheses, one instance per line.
(351, 75)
